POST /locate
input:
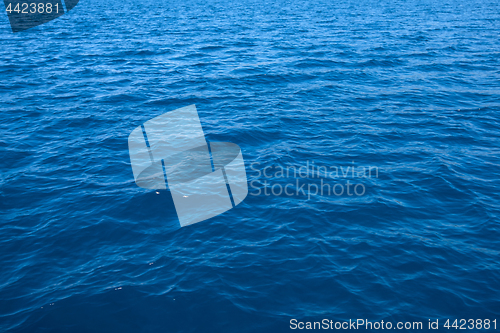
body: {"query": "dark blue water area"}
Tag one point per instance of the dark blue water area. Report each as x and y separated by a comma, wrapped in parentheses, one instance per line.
(409, 89)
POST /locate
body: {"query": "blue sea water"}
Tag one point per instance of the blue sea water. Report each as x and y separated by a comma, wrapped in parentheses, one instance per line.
(411, 88)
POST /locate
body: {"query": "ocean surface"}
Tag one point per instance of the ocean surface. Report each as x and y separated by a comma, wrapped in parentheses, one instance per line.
(407, 89)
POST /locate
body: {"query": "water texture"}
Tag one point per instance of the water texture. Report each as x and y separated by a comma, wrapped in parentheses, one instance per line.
(409, 87)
